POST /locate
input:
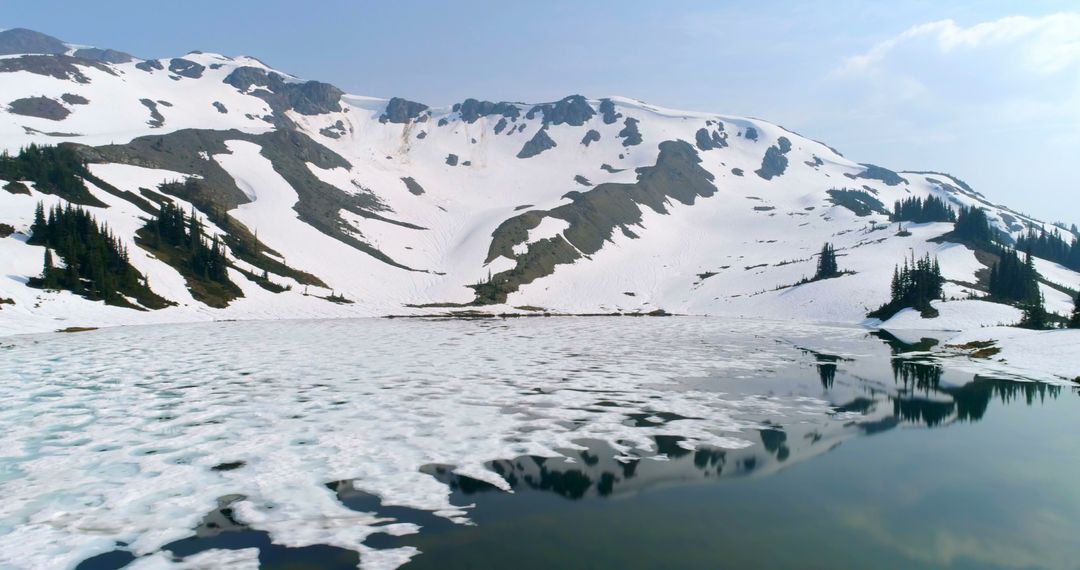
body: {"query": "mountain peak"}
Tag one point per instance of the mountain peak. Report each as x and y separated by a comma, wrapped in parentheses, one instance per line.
(22, 40)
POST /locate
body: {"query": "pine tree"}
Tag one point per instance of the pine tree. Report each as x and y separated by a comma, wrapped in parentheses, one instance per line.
(1035, 315)
(827, 266)
(973, 226)
(1013, 280)
(914, 284)
(1074, 320)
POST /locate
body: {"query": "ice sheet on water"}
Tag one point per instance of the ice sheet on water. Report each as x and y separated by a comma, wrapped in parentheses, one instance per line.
(114, 435)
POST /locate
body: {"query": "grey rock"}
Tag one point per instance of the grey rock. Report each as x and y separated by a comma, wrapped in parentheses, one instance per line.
(590, 137)
(472, 109)
(149, 65)
(58, 66)
(156, 119)
(72, 99)
(607, 111)
(40, 107)
(630, 134)
(413, 186)
(536, 145)
(103, 55)
(186, 68)
(452, 159)
(22, 40)
(573, 110)
(401, 111)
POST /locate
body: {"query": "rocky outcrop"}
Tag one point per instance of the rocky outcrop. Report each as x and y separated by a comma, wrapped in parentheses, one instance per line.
(40, 107)
(472, 109)
(573, 110)
(186, 68)
(103, 55)
(536, 145)
(21, 40)
(307, 98)
(401, 111)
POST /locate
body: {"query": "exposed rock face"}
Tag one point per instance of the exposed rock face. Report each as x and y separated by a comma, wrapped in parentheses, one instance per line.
(149, 65)
(335, 131)
(751, 133)
(774, 163)
(501, 125)
(21, 40)
(58, 66)
(40, 107)
(452, 159)
(307, 98)
(885, 175)
(402, 111)
(413, 186)
(590, 137)
(156, 118)
(472, 109)
(607, 111)
(186, 68)
(573, 110)
(593, 216)
(630, 134)
(706, 140)
(220, 107)
(72, 99)
(103, 55)
(536, 145)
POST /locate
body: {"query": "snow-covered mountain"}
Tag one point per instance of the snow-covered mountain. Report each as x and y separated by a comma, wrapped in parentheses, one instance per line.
(368, 206)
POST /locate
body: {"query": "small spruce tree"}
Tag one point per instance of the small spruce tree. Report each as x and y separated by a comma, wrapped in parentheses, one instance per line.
(1074, 320)
(1035, 315)
(827, 266)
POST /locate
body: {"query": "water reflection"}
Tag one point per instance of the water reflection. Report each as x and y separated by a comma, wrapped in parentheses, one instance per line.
(922, 393)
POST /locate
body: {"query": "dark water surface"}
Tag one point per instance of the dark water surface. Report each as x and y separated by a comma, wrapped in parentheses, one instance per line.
(873, 455)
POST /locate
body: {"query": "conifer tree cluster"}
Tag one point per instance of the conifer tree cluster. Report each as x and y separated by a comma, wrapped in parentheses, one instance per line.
(972, 226)
(53, 169)
(96, 264)
(914, 284)
(827, 266)
(184, 234)
(919, 211)
(1013, 279)
(1051, 246)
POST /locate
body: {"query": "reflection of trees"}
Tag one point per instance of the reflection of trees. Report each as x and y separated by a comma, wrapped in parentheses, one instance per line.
(967, 402)
(827, 373)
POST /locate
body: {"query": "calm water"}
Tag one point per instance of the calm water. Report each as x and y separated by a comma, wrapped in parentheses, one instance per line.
(535, 443)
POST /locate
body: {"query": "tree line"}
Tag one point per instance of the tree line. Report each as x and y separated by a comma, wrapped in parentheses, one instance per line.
(185, 236)
(95, 262)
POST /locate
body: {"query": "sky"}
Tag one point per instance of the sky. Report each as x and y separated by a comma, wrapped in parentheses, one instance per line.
(988, 90)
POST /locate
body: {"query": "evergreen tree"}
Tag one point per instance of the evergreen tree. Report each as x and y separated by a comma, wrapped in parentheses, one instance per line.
(826, 266)
(1051, 246)
(1035, 315)
(973, 226)
(1074, 320)
(914, 284)
(95, 262)
(184, 236)
(920, 211)
(1013, 280)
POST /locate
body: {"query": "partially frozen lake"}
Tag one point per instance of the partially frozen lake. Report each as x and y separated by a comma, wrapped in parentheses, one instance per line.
(538, 442)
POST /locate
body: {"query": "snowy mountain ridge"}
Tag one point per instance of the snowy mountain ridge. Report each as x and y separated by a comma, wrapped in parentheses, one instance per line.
(363, 206)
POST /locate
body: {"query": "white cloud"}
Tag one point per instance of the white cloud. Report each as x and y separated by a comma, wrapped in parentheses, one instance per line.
(1045, 45)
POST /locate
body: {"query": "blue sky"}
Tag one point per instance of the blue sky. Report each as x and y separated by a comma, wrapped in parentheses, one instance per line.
(986, 90)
